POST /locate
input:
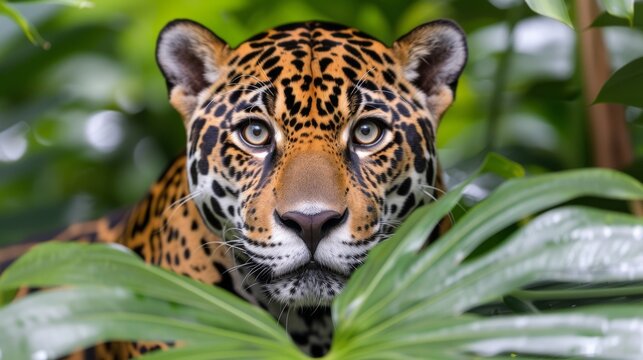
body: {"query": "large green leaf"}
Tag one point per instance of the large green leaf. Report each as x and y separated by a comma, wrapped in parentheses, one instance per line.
(564, 244)
(54, 323)
(624, 86)
(555, 9)
(605, 332)
(511, 202)
(54, 264)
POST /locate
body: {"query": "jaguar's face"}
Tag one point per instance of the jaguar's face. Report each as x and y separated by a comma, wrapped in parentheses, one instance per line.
(310, 142)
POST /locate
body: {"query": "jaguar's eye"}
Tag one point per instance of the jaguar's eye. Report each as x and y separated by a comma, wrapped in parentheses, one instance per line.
(367, 132)
(256, 133)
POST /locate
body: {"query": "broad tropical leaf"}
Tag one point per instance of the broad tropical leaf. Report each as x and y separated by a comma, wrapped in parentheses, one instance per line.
(624, 86)
(53, 323)
(54, 264)
(513, 201)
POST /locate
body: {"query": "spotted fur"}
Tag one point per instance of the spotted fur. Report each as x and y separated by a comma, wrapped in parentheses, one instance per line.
(247, 217)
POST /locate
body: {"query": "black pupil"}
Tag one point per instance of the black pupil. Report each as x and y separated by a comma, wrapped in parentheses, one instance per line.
(365, 130)
(256, 130)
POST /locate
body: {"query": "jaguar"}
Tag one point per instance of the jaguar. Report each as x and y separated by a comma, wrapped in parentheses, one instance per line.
(307, 145)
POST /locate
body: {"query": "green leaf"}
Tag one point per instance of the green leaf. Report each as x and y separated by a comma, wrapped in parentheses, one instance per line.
(624, 86)
(555, 9)
(55, 264)
(518, 198)
(620, 8)
(87, 315)
(27, 325)
(566, 244)
(607, 19)
(605, 332)
(423, 280)
(29, 30)
(212, 310)
(81, 4)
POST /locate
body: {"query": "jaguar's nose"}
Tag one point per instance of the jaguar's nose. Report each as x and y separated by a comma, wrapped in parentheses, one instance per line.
(311, 228)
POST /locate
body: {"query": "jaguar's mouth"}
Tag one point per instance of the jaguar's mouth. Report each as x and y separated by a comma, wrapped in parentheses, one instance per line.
(310, 269)
(309, 285)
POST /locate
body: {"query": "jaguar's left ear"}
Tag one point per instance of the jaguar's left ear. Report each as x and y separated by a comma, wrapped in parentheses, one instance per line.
(433, 56)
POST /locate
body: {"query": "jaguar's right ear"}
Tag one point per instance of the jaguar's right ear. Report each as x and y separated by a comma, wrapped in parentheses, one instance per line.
(190, 57)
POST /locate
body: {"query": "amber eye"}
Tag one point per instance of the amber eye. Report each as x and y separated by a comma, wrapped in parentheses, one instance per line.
(256, 133)
(367, 132)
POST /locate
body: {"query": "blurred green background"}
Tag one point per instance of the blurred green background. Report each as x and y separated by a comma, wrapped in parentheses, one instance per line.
(85, 126)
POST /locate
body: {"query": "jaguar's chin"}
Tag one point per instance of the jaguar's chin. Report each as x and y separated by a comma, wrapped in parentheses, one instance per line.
(311, 285)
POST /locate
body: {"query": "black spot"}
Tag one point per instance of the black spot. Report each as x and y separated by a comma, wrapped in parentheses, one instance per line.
(415, 143)
(350, 74)
(299, 54)
(298, 64)
(249, 57)
(389, 76)
(221, 109)
(208, 142)
(274, 73)
(209, 217)
(234, 96)
(373, 54)
(271, 62)
(352, 61)
(258, 37)
(206, 247)
(404, 187)
(194, 174)
(279, 36)
(403, 110)
(195, 134)
(409, 203)
(323, 63)
(269, 51)
(218, 190)
(289, 44)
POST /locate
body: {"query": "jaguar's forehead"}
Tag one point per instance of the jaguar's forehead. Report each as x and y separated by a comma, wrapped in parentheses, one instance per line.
(314, 69)
(320, 42)
(313, 53)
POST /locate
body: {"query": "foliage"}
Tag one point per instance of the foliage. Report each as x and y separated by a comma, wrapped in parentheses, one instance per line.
(624, 86)
(406, 301)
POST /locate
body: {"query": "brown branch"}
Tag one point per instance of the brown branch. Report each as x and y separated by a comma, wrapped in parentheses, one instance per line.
(611, 144)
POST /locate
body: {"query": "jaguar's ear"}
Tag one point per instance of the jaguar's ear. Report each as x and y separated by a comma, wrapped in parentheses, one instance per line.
(190, 57)
(433, 56)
